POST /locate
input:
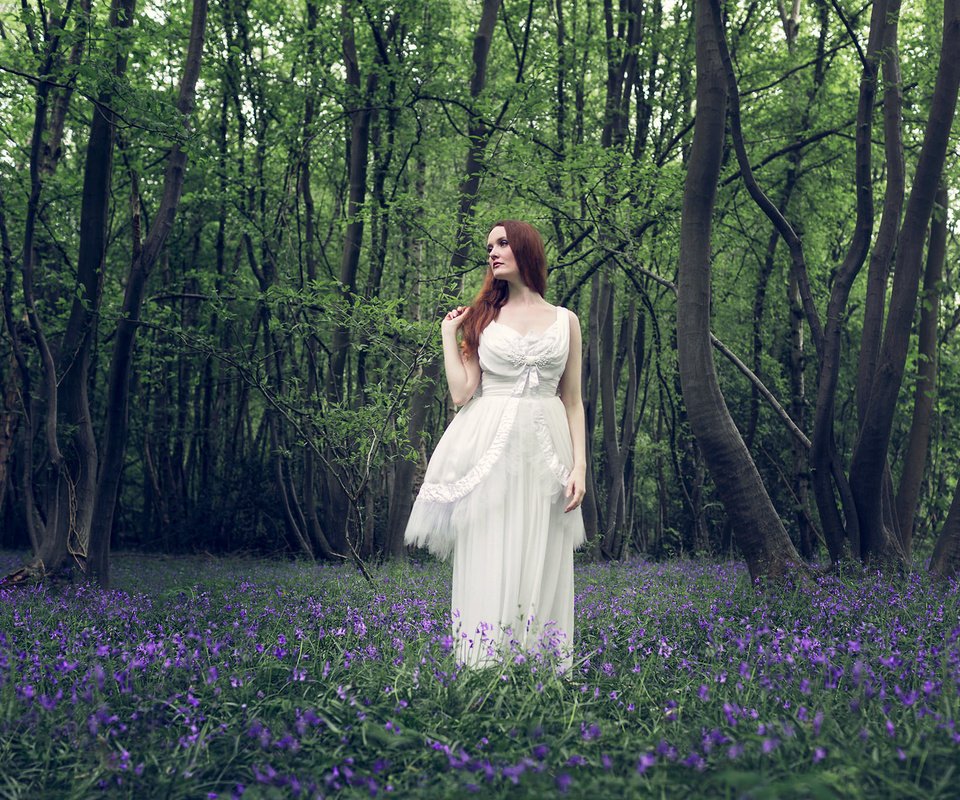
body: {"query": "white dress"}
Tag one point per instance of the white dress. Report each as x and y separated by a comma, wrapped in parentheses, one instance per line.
(493, 495)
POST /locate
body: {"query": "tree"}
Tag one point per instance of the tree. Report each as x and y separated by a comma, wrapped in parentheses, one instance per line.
(869, 457)
(759, 532)
(145, 255)
(82, 486)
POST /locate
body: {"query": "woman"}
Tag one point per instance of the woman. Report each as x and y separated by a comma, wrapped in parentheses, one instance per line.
(505, 483)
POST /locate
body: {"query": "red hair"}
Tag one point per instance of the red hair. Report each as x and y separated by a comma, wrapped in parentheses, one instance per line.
(527, 247)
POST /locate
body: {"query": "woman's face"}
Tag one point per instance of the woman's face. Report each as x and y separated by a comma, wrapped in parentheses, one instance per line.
(500, 256)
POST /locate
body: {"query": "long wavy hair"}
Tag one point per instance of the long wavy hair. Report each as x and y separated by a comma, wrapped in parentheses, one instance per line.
(527, 247)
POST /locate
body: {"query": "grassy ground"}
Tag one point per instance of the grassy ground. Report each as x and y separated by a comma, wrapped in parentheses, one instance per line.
(228, 678)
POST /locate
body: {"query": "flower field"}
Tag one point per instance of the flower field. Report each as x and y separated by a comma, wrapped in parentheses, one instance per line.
(261, 679)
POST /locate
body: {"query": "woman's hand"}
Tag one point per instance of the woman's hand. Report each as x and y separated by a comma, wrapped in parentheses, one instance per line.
(454, 319)
(576, 488)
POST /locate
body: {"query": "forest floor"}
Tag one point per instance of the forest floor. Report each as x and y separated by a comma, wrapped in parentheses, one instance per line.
(220, 678)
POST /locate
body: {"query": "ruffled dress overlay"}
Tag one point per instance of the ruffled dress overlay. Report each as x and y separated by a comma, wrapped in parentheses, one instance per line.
(493, 495)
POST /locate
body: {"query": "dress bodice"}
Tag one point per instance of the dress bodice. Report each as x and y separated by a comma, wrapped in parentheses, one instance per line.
(512, 436)
(523, 365)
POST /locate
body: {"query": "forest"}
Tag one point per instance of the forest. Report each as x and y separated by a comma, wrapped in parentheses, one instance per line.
(229, 232)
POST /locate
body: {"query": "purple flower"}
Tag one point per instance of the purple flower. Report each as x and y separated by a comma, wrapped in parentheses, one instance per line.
(589, 732)
(646, 761)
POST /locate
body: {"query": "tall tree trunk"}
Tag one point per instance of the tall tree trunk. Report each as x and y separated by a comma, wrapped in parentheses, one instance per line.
(827, 472)
(591, 393)
(945, 561)
(359, 112)
(479, 136)
(341, 506)
(144, 258)
(315, 530)
(41, 162)
(759, 301)
(798, 410)
(881, 257)
(401, 495)
(623, 38)
(870, 454)
(71, 483)
(759, 532)
(613, 465)
(915, 460)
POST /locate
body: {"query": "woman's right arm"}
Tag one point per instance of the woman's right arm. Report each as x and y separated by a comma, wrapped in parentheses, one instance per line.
(463, 373)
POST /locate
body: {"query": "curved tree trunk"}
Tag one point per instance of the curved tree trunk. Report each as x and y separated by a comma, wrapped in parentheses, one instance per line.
(915, 460)
(144, 257)
(945, 561)
(881, 257)
(869, 458)
(758, 529)
(71, 483)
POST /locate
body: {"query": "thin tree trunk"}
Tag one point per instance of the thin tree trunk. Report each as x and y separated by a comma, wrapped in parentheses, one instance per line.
(315, 530)
(144, 258)
(479, 137)
(591, 393)
(798, 411)
(35, 524)
(881, 257)
(613, 465)
(945, 561)
(401, 495)
(759, 301)
(918, 440)
(359, 113)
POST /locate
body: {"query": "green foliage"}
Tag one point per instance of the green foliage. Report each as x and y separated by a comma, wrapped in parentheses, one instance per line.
(244, 307)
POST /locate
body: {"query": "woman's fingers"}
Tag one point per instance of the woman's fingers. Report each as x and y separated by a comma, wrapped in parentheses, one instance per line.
(456, 313)
(576, 493)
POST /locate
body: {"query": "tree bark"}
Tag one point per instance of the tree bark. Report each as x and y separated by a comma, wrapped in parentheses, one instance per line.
(315, 531)
(945, 561)
(881, 257)
(918, 440)
(760, 534)
(827, 471)
(869, 458)
(144, 258)
(478, 135)
(71, 484)
(623, 39)
(401, 496)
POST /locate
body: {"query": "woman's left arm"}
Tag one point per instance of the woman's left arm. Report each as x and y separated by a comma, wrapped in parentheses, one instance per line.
(569, 390)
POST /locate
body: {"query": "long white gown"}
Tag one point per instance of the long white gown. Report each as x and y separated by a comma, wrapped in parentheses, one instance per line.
(493, 495)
